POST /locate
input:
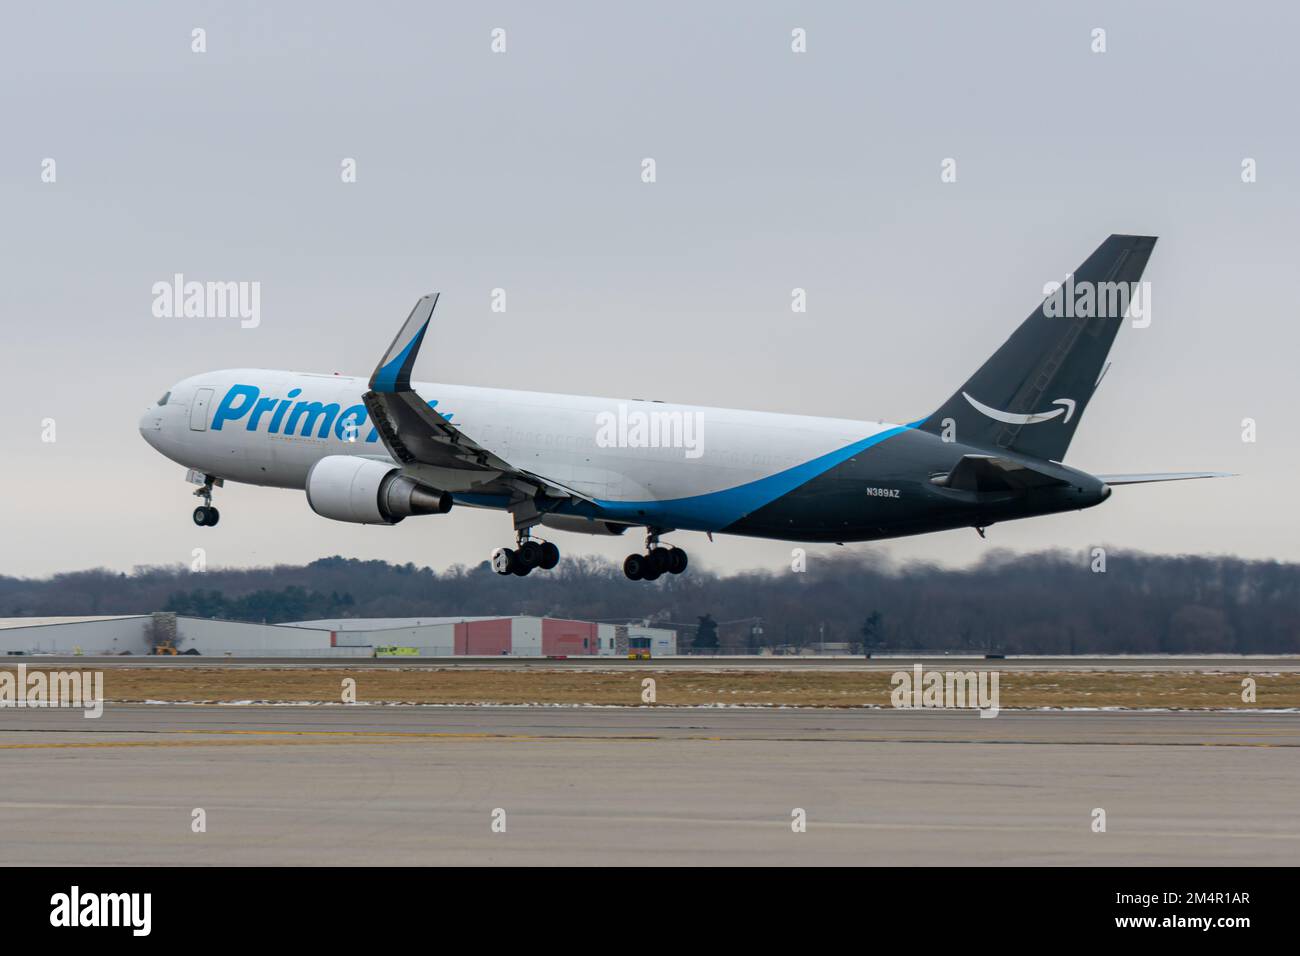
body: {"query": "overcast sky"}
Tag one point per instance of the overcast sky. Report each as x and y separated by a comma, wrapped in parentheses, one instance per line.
(522, 170)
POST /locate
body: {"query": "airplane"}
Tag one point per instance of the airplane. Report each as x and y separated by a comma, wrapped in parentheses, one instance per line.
(379, 451)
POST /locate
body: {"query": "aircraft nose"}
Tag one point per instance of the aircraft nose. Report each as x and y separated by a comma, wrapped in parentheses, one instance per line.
(151, 425)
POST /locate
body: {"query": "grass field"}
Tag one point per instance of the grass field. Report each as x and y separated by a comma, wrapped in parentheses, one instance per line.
(1195, 690)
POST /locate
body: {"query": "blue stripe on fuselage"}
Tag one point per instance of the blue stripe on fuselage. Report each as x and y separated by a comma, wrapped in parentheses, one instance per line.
(719, 509)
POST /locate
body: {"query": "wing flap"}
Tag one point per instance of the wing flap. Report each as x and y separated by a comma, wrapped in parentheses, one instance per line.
(413, 431)
(416, 434)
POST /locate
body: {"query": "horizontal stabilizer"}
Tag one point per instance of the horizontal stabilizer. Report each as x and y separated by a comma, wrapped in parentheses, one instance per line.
(1162, 476)
(987, 473)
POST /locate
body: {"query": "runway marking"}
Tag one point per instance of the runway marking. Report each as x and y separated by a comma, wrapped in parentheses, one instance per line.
(95, 744)
(271, 738)
(713, 822)
(1069, 829)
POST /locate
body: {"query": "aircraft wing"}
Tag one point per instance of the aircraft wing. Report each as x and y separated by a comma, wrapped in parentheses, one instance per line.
(415, 434)
(1140, 479)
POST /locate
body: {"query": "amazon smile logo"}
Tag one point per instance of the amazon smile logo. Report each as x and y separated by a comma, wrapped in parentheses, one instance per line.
(1066, 409)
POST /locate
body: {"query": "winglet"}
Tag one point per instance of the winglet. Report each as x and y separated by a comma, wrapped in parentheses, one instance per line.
(393, 374)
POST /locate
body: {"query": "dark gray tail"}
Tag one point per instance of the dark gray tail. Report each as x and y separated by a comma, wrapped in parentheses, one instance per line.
(1030, 395)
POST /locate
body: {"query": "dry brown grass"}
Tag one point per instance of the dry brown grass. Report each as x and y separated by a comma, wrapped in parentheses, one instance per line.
(1196, 690)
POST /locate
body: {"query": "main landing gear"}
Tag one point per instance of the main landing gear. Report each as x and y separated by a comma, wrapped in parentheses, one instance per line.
(206, 516)
(658, 559)
(527, 554)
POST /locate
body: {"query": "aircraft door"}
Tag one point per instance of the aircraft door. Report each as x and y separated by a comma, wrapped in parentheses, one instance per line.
(199, 410)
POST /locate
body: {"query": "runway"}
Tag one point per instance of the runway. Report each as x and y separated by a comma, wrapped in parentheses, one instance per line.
(1166, 662)
(611, 786)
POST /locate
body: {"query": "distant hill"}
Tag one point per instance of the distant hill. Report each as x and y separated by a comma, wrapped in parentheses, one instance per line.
(1045, 603)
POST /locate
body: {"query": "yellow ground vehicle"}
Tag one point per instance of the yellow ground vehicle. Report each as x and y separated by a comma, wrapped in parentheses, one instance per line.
(393, 650)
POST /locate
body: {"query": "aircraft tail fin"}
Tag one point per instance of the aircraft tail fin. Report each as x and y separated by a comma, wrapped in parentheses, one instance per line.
(1029, 396)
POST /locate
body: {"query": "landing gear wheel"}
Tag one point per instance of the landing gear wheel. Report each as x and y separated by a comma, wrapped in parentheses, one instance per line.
(518, 567)
(206, 516)
(503, 560)
(550, 556)
(529, 554)
(660, 561)
(634, 566)
(678, 563)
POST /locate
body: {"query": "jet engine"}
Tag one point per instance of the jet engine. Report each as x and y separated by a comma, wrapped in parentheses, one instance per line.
(366, 491)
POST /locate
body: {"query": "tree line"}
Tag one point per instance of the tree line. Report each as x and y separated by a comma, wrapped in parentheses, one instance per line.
(1043, 603)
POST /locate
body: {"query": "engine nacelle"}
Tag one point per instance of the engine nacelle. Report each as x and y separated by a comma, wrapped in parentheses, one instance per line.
(365, 491)
(583, 525)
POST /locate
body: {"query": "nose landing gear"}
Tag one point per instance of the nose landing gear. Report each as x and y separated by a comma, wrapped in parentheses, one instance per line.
(206, 516)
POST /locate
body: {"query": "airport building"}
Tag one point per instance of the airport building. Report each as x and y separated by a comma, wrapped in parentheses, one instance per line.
(167, 633)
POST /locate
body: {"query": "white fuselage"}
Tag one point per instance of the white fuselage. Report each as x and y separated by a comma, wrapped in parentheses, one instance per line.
(269, 427)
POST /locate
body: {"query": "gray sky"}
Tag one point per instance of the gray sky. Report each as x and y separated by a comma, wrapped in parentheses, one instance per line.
(522, 171)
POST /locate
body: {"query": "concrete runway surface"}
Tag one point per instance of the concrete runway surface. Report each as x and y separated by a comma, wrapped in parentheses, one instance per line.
(610, 786)
(1224, 662)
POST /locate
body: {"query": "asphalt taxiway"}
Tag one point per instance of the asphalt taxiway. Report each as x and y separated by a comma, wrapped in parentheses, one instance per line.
(609, 786)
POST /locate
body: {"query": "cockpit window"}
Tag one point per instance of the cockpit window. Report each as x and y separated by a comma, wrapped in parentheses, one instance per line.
(163, 401)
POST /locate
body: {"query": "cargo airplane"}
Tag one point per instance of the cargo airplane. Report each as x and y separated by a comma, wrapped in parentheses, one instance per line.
(380, 451)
